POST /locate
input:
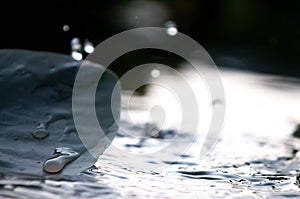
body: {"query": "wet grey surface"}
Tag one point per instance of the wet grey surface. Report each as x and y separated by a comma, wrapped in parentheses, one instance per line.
(255, 157)
(36, 113)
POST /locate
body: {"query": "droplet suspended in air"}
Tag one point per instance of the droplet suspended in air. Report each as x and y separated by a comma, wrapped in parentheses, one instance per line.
(155, 73)
(88, 47)
(171, 28)
(172, 31)
(76, 55)
(76, 49)
(66, 28)
(75, 44)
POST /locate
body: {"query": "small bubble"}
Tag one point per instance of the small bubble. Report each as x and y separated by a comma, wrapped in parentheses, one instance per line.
(66, 28)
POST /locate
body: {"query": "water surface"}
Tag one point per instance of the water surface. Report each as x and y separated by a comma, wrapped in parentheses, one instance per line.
(256, 155)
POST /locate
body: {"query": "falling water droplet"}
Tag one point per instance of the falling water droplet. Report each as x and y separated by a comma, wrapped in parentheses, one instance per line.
(172, 31)
(66, 28)
(76, 55)
(155, 73)
(63, 156)
(76, 49)
(88, 47)
(75, 44)
(171, 28)
(40, 133)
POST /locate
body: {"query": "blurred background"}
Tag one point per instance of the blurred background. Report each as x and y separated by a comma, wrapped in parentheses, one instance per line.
(262, 36)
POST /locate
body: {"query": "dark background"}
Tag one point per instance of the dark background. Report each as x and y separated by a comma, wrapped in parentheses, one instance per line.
(258, 35)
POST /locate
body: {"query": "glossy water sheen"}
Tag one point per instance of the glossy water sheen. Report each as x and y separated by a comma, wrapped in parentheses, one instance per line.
(256, 155)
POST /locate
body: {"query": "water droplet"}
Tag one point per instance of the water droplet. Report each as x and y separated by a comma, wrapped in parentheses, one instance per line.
(75, 44)
(40, 133)
(63, 156)
(88, 47)
(76, 49)
(172, 31)
(155, 73)
(66, 28)
(171, 28)
(76, 55)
